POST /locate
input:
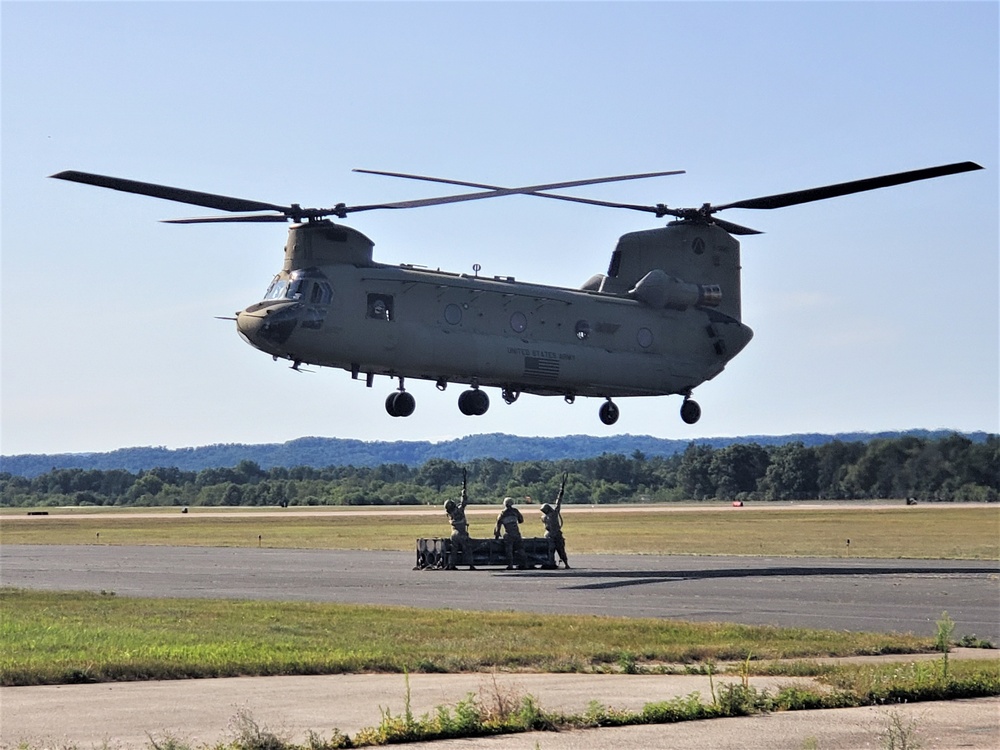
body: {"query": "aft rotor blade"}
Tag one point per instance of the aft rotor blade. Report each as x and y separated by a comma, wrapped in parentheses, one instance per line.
(228, 219)
(531, 188)
(495, 191)
(735, 228)
(782, 200)
(180, 195)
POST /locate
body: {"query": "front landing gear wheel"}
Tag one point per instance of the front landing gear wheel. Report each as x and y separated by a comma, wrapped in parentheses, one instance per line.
(690, 411)
(608, 412)
(400, 404)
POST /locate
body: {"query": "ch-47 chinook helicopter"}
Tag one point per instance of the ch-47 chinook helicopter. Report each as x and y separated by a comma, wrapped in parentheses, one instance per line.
(665, 317)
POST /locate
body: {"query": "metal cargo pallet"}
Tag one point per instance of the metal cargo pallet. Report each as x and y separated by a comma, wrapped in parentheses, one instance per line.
(432, 554)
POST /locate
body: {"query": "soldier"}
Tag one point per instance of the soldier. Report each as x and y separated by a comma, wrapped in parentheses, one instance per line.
(552, 519)
(459, 529)
(508, 520)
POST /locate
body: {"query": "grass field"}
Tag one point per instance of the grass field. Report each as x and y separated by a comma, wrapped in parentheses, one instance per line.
(933, 532)
(73, 637)
(51, 638)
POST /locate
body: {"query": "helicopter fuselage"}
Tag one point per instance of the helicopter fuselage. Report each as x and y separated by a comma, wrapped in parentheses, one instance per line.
(333, 306)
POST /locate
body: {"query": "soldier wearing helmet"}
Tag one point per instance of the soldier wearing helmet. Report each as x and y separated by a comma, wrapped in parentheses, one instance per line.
(460, 540)
(552, 520)
(509, 520)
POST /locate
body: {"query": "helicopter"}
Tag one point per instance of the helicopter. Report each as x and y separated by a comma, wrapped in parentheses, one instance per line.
(664, 318)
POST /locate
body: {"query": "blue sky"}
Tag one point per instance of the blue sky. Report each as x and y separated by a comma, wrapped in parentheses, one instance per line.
(871, 312)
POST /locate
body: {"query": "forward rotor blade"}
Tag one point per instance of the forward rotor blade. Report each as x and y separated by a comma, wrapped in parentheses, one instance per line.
(495, 194)
(553, 186)
(180, 195)
(782, 200)
(296, 213)
(531, 188)
(495, 191)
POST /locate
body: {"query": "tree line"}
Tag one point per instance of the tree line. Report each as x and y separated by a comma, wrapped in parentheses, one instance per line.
(953, 469)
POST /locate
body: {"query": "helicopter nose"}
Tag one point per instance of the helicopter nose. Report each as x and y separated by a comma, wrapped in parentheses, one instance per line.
(266, 328)
(249, 325)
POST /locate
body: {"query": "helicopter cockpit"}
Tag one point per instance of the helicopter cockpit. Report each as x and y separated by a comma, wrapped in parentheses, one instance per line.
(295, 300)
(302, 285)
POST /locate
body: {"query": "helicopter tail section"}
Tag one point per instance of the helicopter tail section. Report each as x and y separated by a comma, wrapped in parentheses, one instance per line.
(680, 265)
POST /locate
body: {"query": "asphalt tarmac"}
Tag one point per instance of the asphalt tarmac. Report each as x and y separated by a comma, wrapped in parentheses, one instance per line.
(906, 596)
(843, 594)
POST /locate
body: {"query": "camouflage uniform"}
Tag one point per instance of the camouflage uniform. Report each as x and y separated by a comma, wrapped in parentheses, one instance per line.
(552, 520)
(508, 520)
(460, 538)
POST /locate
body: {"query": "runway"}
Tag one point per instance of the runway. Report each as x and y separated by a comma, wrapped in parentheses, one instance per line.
(904, 596)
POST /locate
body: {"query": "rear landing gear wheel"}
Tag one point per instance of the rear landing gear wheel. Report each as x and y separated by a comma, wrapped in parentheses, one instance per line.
(400, 404)
(608, 412)
(509, 395)
(473, 403)
(690, 411)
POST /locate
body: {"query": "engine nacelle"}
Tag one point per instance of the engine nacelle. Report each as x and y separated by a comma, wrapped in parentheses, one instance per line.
(658, 289)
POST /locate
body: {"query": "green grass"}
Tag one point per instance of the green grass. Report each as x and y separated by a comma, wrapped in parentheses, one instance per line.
(934, 532)
(905, 681)
(81, 637)
(48, 638)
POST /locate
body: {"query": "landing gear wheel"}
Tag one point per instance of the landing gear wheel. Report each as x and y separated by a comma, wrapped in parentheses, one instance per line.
(405, 404)
(390, 404)
(400, 404)
(509, 395)
(473, 403)
(690, 411)
(608, 412)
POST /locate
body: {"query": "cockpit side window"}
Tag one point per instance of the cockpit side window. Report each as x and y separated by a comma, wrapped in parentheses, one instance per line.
(321, 293)
(295, 289)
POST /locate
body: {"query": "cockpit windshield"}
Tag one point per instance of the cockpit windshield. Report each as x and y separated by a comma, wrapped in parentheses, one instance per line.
(302, 284)
(279, 289)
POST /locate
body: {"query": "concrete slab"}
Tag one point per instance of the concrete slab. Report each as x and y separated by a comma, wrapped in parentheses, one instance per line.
(125, 716)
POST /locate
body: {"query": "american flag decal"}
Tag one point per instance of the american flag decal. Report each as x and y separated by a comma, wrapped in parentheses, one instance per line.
(536, 367)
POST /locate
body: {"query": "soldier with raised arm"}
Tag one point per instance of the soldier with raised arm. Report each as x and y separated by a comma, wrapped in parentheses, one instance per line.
(509, 520)
(460, 538)
(552, 519)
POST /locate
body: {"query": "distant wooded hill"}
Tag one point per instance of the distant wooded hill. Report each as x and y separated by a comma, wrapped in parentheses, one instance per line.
(323, 452)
